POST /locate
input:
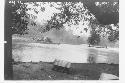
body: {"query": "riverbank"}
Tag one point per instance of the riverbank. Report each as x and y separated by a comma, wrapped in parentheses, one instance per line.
(78, 71)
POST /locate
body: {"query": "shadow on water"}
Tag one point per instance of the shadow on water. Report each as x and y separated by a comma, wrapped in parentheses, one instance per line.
(102, 56)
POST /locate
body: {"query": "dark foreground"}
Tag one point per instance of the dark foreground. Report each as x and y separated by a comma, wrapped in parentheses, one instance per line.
(78, 71)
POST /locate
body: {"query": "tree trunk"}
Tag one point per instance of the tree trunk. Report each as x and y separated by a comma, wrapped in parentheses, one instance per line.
(8, 70)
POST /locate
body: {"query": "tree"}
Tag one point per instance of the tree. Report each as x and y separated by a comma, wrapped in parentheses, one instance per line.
(98, 12)
(17, 12)
(14, 23)
(71, 13)
(114, 36)
(94, 39)
(48, 40)
(106, 13)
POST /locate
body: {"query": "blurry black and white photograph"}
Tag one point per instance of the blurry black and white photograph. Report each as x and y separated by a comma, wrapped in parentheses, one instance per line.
(61, 40)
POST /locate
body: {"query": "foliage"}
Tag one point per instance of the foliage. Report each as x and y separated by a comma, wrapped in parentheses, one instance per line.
(71, 13)
(17, 12)
(106, 12)
(94, 39)
(48, 40)
(114, 35)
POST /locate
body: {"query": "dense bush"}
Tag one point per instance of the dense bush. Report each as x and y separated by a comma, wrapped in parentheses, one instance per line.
(48, 40)
(94, 39)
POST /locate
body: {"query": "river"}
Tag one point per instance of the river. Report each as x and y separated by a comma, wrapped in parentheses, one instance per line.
(35, 52)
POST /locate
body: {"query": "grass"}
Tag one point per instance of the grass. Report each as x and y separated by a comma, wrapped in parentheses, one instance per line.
(78, 71)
